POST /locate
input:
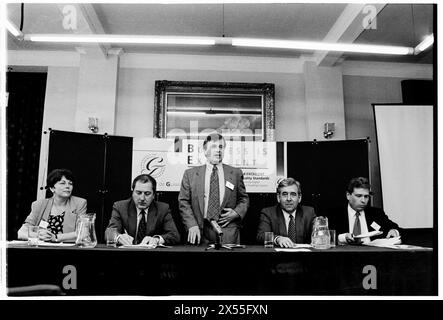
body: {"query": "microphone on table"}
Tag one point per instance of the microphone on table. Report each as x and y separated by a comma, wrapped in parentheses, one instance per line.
(216, 227)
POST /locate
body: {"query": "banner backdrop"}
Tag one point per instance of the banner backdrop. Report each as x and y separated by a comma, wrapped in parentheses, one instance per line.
(166, 160)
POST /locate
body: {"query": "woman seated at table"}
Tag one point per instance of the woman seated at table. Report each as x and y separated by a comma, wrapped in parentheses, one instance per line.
(56, 216)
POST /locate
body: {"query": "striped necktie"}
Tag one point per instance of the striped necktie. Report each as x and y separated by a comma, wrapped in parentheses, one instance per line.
(214, 196)
(357, 227)
(141, 230)
(291, 228)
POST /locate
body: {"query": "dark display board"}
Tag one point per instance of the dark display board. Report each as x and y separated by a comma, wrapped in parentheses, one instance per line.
(101, 165)
(325, 168)
(24, 118)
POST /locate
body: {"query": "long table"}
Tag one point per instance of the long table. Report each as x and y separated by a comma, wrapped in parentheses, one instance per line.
(254, 270)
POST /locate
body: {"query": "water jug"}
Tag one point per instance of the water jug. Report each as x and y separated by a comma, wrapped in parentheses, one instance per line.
(86, 237)
(320, 238)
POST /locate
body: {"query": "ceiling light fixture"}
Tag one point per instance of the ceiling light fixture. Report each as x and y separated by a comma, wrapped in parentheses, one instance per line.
(322, 46)
(133, 39)
(12, 28)
(426, 43)
(243, 42)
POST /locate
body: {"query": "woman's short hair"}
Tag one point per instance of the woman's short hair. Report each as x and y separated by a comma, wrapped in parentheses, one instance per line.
(144, 178)
(357, 183)
(56, 175)
(288, 182)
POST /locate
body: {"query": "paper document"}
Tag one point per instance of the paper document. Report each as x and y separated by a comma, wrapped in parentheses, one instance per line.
(20, 242)
(43, 243)
(55, 244)
(302, 245)
(292, 250)
(144, 246)
(234, 245)
(369, 234)
(409, 247)
(299, 247)
(138, 246)
(385, 243)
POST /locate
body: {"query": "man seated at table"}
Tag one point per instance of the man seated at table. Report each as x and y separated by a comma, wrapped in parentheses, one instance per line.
(142, 220)
(357, 218)
(290, 222)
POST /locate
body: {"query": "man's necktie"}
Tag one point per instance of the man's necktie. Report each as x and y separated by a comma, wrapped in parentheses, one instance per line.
(141, 231)
(357, 227)
(214, 196)
(291, 228)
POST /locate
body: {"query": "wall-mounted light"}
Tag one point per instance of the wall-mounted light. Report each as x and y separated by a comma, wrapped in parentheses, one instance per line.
(93, 124)
(329, 130)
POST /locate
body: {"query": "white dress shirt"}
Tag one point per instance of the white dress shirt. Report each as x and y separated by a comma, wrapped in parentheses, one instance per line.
(221, 183)
(351, 221)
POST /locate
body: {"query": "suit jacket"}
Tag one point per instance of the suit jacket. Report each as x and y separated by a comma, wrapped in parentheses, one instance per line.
(338, 220)
(41, 209)
(159, 220)
(272, 219)
(192, 205)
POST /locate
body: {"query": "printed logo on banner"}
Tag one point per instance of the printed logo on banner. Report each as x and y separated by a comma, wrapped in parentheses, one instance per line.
(153, 165)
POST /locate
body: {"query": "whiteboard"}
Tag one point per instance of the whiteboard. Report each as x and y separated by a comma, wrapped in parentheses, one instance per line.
(405, 146)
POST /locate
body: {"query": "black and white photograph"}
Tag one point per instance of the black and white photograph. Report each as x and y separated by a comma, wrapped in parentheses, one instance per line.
(219, 150)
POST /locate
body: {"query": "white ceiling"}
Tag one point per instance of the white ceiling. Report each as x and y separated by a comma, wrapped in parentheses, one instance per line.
(397, 24)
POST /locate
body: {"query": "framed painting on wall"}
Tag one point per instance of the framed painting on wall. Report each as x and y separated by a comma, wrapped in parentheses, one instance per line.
(195, 109)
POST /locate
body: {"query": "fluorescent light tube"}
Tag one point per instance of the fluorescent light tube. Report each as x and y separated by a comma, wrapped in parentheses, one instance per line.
(13, 29)
(426, 43)
(135, 39)
(244, 42)
(322, 46)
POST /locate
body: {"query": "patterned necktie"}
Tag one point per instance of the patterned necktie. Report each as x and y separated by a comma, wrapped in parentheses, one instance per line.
(291, 228)
(141, 231)
(214, 196)
(357, 226)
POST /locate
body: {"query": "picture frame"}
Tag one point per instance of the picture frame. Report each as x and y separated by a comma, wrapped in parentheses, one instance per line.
(192, 109)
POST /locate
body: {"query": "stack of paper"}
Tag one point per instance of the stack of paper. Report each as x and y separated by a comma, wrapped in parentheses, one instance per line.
(385, 243)
(369, 234)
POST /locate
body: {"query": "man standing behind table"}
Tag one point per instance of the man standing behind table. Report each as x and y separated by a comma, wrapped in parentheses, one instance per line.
(357, 218)
(213, 191)
(290, 222)
(142, 220)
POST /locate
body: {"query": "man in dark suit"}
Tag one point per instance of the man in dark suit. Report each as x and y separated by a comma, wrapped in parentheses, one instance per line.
(213, 191)
(357, 218)
(290, 222)
(140, 219)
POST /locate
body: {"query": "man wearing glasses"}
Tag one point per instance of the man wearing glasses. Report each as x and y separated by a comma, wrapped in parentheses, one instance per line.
(290, 222)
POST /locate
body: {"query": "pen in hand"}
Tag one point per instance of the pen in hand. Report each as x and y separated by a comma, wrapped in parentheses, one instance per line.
(125, 238)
